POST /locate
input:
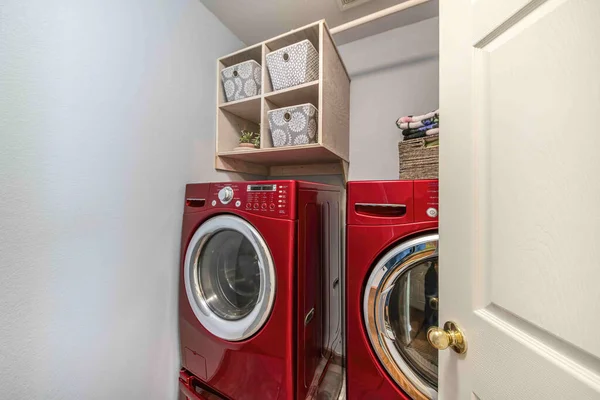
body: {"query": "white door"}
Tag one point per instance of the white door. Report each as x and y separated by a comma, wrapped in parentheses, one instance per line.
(520, 198)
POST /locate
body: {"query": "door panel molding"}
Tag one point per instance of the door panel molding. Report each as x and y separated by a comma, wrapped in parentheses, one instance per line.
(521, 20)
(519, 190)
(530, 369)
(519, 235)
(574, 360)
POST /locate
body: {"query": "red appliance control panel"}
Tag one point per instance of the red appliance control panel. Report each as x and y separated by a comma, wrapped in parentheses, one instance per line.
(392, 202)
(426, 203)
(269, 198)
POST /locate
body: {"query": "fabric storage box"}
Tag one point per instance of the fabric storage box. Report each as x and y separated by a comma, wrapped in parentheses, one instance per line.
(293, 65)
(419, 158)
(242, 80)
(294, 125)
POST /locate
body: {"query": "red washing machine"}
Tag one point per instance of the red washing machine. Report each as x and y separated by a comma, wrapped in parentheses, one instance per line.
(392, 289)
(250, 312)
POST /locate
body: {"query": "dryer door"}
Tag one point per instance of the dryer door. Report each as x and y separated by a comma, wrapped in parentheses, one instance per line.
(400, 303)
(229, 277)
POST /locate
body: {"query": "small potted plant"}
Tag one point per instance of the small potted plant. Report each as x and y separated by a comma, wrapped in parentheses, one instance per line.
(256, 141)
(249, 140)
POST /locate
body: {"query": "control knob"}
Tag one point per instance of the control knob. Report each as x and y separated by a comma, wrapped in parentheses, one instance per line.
(226, 195)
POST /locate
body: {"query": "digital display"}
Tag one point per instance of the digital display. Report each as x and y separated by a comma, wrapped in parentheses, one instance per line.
(262, 188)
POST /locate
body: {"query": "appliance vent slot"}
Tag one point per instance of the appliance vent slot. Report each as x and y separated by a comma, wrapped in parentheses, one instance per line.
(346, 4)
(195, 202)
(381, 210)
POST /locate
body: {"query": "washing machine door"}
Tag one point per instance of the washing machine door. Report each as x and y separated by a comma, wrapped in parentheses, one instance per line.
(400, 304)
(229, 277)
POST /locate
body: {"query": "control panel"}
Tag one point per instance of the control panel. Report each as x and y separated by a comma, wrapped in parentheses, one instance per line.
(426, 193)
(270, 199)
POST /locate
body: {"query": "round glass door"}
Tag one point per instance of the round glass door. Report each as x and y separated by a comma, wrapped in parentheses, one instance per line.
(229, 277)
(400, 304)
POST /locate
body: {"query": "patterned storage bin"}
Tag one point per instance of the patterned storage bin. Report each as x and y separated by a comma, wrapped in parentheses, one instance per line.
(293, 125)
(242, 80)
(419, 158)
(293, 65)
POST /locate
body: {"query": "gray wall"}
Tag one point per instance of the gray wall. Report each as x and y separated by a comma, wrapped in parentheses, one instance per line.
(106, 111)
(393, 74)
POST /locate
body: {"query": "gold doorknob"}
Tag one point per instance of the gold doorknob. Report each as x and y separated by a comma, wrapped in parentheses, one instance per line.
(450, 336)
(434, 303)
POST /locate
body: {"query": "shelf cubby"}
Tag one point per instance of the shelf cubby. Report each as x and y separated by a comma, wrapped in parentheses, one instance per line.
(301, 94)
(248, 108)
(249, 53)
(310, 32)
(230, 127)
(330, 94)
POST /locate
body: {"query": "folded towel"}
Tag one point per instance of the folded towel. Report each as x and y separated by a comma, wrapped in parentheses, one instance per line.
(416, 118)
(407, 132)
(415, 135)
(433, 131)
(418, 124)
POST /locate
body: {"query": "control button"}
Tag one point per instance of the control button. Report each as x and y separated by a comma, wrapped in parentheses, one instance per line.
(256, 206)
(264, 206)
(272, 206)
(214, 203)
(432, 212)
(248, 205)
(226, 195)
(238, 203)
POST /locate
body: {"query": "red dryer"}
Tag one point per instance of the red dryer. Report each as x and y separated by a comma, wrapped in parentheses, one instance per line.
(391, 289)
(250, 311)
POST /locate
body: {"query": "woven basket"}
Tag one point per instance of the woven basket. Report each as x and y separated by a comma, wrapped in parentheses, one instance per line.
(419, 158)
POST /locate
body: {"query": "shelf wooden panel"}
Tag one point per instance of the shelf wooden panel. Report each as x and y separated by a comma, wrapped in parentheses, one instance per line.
(249, 53)
(334, 104)
(334, 168)
(310, 32)
(288, 155)
(235, 165)
(266, 141)
(306, 93)
(248, 108)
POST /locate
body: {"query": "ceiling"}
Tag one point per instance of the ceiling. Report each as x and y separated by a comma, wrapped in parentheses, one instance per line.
(254, 21)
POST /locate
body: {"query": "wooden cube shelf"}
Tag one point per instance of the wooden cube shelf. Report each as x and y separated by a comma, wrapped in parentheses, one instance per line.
(330, 94)
(305, 93)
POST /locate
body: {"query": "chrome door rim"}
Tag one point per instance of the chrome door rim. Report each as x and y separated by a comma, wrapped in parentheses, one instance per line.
(243, 328)
(379, 286)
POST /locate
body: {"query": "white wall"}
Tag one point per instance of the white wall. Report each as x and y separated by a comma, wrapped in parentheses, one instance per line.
(393, 74)
(106, 111)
